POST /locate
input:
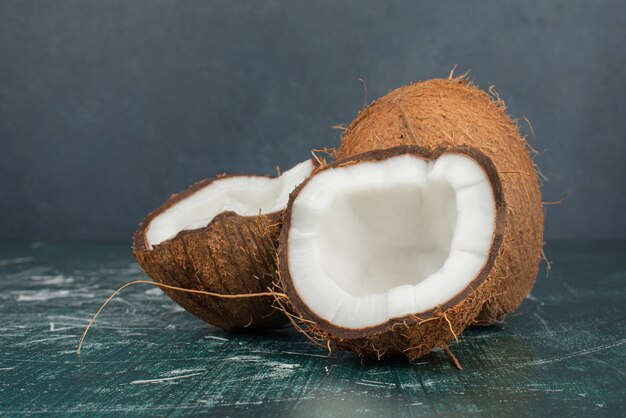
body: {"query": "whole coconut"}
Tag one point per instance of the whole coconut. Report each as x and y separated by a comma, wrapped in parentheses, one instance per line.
(454, 112)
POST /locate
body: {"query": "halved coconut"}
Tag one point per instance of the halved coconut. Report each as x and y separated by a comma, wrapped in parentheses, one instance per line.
(220, 235)
(392, 252)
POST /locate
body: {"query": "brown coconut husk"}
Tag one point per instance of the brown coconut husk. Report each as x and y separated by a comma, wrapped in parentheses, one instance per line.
(413, 335)
(232, 255)
(454, 112)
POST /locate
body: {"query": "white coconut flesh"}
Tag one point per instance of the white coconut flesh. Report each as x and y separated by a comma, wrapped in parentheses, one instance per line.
(244, 195)
(379, 240)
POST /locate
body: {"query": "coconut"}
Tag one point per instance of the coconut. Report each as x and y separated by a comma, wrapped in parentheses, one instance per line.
(393, 251)
(453, 112)
(220, 235)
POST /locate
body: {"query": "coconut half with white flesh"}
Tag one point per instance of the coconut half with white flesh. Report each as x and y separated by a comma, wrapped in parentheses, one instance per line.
(220, 235)
(392, 252)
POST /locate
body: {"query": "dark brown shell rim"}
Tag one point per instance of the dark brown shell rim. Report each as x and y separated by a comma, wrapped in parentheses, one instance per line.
(378, 155)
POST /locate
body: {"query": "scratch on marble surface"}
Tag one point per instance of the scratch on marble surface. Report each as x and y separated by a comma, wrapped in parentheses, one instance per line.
(17, 260)
(305, 354)
(163, 379)
(375, 383)
(213, 337)
(292, 353)
(154, 292)
(26, 273)
(53, 327)
(557, 359)
(43, 340)
(276, 369)
(52, 279)
(46, 294)
(177, 372)
(570, 289)
(254, 402)
(618, 370)
(530, 296)
(544, 323)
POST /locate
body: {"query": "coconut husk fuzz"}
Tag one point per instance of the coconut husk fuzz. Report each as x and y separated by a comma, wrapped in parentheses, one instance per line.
(413, 335)
(233, 254)
(454, 112)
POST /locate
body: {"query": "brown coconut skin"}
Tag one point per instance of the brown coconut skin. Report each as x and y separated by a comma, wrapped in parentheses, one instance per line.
(233, 254)
(454, 112)
(413, 335)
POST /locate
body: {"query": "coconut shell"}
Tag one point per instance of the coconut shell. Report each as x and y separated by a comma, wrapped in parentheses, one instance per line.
(454, 112)
(233, 254)
(412, 335)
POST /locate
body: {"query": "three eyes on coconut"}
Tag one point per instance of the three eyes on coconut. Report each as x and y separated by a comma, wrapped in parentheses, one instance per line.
(393, 251)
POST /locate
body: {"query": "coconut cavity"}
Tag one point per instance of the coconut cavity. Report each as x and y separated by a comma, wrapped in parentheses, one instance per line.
(388, 237)
(220, 236)
(374, 238)
(243, 195)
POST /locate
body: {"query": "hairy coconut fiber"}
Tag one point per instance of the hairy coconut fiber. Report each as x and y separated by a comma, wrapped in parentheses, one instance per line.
(454, 112)
(233, 254)
(416, 334)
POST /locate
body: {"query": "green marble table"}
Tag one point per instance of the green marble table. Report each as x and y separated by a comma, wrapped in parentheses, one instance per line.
(561, 353)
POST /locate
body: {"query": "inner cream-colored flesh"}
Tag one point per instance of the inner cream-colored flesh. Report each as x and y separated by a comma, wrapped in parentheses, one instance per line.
(244, 195)
(379, 240)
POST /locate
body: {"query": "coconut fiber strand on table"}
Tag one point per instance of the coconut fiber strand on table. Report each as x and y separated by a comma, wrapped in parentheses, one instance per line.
(561, 353)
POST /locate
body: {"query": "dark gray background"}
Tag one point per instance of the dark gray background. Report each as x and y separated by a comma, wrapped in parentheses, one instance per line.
(107, 107)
